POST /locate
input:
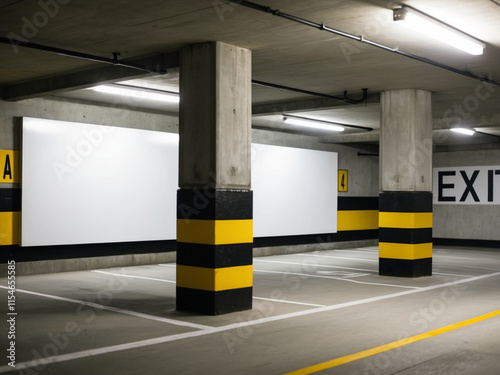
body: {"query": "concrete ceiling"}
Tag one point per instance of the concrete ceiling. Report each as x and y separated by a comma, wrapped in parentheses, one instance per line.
(283, 52)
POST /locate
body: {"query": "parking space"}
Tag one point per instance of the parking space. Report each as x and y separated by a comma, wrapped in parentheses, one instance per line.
(308, 309)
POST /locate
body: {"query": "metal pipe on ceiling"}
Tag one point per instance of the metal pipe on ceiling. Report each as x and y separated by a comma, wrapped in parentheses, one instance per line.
(344, 99)
(84, 56)
(361, 39)
(115, 61)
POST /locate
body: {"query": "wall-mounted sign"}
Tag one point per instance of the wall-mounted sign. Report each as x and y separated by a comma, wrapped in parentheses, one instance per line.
(342, 179)
(8, 163)
(467, 185)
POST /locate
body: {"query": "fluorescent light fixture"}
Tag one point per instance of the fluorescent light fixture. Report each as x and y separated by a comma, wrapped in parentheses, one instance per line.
(310, 123)
(138, 93)
(438, 30)
(466, 131)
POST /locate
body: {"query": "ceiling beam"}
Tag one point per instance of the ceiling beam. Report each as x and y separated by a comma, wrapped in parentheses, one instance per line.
(290, 106)
(86, 79)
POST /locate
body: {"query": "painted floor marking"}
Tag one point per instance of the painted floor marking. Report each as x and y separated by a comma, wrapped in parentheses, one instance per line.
(465, 258)
(291, 302)
(314, 265)
(450, 274)
(393, 345)
(211, 330)
(337, 257)
(115, 309)
(338, 278)
(135, 277)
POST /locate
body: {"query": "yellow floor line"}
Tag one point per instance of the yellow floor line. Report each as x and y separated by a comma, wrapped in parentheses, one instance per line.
(393, 345)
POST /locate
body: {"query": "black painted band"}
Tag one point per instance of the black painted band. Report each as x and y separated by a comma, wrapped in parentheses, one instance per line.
(214, 256)
(402, 201)
(405, 236)
(405, 268)
(211, 204)
(213, 303)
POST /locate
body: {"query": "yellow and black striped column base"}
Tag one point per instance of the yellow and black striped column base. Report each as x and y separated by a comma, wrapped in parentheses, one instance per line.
(405, 234)
(214, 251)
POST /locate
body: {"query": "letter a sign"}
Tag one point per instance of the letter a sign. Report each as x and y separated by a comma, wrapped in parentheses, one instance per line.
(8, 162)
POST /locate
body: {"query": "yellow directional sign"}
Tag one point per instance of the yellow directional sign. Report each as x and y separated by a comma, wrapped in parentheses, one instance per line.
(342, 179)
(9, 163)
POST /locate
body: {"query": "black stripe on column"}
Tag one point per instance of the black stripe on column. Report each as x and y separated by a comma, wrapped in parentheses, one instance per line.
(210, 204)
(213, 303)
(405, 268)
(402, 201)
(214, 256)
(406, 236)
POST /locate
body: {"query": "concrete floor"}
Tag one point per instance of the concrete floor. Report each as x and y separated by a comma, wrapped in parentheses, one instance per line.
(308, 308)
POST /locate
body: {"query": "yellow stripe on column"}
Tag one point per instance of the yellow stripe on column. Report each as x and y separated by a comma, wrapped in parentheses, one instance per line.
(214, 279)
(357, 220)
(405, 251)
(405, 220)
(10, 223)
(215, 232)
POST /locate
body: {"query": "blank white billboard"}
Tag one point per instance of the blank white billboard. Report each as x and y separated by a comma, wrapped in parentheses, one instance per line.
(86, 183)
(295, 191)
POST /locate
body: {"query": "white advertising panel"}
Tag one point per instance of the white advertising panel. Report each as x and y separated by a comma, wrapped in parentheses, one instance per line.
(295, 191)
(467, 185)
(86, 183)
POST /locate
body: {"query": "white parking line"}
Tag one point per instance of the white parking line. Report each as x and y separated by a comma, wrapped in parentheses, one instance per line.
(115, 309)
(291, 302)
(212, 330)
(306, 275)
(337, 257)
(134, 277)
(314, 265)
(450, 274)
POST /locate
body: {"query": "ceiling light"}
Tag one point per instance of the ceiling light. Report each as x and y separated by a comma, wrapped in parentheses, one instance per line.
(138, 93)
(466, 131)
(438, 30)
(310, 123)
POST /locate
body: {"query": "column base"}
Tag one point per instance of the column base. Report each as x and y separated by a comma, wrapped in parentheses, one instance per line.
(405, 267)
(214, 303)
(214, 251)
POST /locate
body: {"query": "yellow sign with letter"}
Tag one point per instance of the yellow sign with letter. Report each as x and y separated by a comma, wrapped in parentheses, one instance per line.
(9, 162)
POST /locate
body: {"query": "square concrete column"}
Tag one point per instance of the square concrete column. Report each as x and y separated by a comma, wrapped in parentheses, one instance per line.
(405, 200)
(214, 202)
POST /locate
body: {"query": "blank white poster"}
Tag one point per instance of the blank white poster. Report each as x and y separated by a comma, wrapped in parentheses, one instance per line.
(86, 183)
(295, 191)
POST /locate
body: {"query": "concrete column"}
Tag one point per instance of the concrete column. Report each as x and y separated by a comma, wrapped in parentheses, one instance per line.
(214, 203)
(405, 200)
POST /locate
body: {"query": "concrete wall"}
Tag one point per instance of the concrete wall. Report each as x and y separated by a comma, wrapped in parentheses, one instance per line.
(363, 170)
(471, 222)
